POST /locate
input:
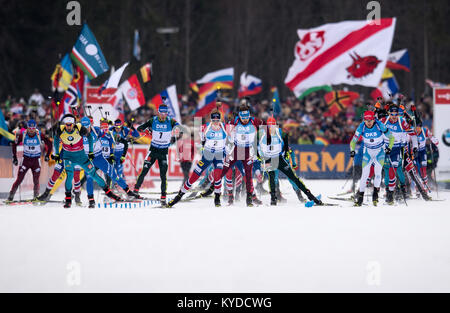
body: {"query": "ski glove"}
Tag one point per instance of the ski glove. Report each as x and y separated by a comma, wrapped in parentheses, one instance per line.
(122, 159)
(46, 158)
(91, 156)
(352, 154)
(111, 158)
(56, 158)
(387, 150)
(15, 162)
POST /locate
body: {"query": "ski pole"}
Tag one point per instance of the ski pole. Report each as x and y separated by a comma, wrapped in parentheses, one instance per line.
(434, 169)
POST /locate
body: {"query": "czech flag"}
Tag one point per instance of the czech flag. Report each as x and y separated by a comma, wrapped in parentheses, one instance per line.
(399, 60)
(250, 85)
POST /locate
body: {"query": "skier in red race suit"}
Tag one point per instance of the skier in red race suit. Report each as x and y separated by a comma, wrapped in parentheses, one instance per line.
(31, 139)
(243, 133)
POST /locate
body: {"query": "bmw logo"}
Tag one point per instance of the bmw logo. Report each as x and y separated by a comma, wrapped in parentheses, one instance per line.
(371, 140)
(446, 138)
(70, 138)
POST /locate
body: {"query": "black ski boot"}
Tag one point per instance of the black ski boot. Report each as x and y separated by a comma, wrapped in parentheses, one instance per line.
(132, 194)
(256, 200)
(300, 196)
(68, 200)
(163, 201)
(311, 197)
(260, 189)
(217, 199)
(389, 197)
(403, 191)
(175, 200)
(45, 196)
(11, 196)
(359, 198)
(111, 195)
(91, 201)
(238, 193)
(279, 195)
(230, 199)
(273, 199)
(375, 196)
(77, 198)
(249, 199)
(208, 192)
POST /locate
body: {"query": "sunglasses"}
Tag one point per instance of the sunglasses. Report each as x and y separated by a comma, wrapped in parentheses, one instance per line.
(393, 114)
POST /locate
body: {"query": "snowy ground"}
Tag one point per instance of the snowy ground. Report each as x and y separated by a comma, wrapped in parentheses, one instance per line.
(197, 247)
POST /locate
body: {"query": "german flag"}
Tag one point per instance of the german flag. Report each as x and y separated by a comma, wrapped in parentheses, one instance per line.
(338, 101)
(146, 73)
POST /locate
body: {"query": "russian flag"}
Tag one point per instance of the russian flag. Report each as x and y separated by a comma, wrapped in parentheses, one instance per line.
(250, 85)
(399, 60)
(223, 75)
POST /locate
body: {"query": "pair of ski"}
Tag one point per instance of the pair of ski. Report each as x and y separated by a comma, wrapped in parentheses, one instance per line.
(311, 203)
(29, 201)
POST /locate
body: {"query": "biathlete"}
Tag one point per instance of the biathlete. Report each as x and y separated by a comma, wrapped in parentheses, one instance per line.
(161, 127)
(31, 140)
(70, 137)
(213, 137)
(374, 134)
(272, 148)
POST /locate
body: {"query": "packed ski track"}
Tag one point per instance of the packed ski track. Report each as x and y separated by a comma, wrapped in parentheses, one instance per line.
(197, 247)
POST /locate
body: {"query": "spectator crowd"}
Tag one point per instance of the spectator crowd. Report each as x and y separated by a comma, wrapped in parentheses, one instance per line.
(303, 120)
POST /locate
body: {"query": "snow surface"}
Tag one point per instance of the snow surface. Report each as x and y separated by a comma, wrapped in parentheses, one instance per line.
(196, 247)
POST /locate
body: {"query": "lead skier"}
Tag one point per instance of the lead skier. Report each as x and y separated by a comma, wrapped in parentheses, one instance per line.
(374, 134)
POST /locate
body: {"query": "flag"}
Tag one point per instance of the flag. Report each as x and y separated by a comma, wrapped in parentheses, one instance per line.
(434, 84)
(276, 105)
(386, 89)
(116, 101)
(73, 95)
(306, 92)
(399, 60)
(206, 110)
(132, 92)
(387, 73)
(338, 101)
(171, 101)
(208, 92)
(62, 76)
(212, 83)
(224, 75)
(250, 85)
(114, 79)
(146, 72)
(4, 128)
(348, 52)
(319, 140)
(136, 46)
(87, 54)
(194, 87)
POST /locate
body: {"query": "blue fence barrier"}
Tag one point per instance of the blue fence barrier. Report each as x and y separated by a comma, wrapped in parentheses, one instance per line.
(323, 162)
